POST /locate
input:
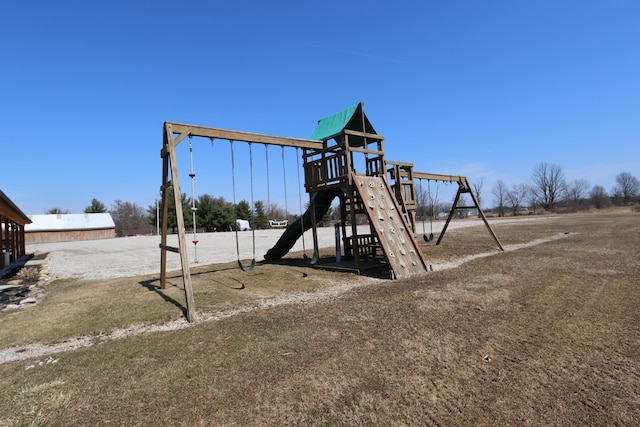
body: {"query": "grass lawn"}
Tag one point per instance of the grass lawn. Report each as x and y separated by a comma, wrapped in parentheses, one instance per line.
(548, 334)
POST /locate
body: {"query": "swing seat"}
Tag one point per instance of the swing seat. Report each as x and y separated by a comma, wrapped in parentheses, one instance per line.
(247, 269)
(428, 238)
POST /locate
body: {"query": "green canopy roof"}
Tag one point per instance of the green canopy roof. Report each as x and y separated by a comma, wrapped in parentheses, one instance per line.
(350, 118)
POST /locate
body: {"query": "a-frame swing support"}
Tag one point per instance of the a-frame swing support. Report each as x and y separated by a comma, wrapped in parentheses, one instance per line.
(173, 134)
(463, 187)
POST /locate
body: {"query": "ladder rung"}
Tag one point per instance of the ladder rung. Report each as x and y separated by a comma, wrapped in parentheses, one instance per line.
(169, 248)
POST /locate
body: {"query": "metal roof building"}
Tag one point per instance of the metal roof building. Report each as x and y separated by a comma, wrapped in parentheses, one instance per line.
(69, 227)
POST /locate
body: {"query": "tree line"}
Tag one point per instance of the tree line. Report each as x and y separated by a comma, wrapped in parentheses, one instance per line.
(547, 191)
(211, 214)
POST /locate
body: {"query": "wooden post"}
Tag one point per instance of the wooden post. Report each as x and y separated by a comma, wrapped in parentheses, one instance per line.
(446, 224)
(164, 199)
(170, 152)
(2, 222)
(484, 218)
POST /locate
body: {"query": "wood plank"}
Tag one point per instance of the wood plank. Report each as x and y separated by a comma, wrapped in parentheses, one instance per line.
(182, 241)
(438, 177)
(169, 248)
(235, 135)
(366, 151)
(371, 136)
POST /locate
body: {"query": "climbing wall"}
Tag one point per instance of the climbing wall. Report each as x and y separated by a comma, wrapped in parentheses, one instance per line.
(396, 238)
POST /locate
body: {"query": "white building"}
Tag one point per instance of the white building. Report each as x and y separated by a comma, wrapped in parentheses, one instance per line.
(69, 227)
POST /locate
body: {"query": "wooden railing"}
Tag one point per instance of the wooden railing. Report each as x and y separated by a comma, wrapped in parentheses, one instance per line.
(368, 246)
(330, 169)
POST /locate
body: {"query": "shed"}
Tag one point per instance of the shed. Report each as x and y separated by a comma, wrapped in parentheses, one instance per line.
(69, 227)
(12, 231)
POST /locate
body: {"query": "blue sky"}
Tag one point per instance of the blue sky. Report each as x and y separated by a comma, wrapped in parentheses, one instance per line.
(485, 89)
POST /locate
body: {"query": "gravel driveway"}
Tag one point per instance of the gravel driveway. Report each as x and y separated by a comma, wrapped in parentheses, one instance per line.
(138, 255)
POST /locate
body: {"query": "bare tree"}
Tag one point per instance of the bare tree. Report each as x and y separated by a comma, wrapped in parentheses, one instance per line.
(129, 218)
(548, 182)
(515, 196)
(532, 198)
(427, 200)
(627, 186)
(499, 191)
(599, 197)
(274, 211)
(477, 189)
(422, 201)
(575, 192)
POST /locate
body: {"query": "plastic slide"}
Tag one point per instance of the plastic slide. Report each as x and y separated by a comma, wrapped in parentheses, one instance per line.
(294, 231)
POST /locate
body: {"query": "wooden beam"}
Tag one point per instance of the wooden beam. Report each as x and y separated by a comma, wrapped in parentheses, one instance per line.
(438, 177)
(401, 164)
(169, 248)
(166, 185)
(182, 241)
(366, 151)
(182, 135)
(371, 136)
(235, 135)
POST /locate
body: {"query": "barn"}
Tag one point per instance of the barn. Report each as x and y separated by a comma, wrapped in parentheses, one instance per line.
(69, 227)
(12, 231)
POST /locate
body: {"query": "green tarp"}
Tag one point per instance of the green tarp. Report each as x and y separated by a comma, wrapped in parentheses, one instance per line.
(350, 118)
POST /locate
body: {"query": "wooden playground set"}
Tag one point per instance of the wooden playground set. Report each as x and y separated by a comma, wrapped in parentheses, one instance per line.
(343, 160)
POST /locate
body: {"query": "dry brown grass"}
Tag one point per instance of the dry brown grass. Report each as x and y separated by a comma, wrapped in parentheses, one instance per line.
(547, 335)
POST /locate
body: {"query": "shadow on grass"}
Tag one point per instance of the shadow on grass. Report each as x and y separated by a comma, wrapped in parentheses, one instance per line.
(370, 268)
(151, 286)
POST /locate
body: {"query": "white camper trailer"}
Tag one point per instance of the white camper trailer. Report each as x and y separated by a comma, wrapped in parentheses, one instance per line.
(241, 225)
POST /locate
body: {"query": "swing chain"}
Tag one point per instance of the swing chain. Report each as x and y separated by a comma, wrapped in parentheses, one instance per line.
(192, 175)
(235, 226)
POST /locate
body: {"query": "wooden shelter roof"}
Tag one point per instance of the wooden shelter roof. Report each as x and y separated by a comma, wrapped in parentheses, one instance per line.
(8, 209)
